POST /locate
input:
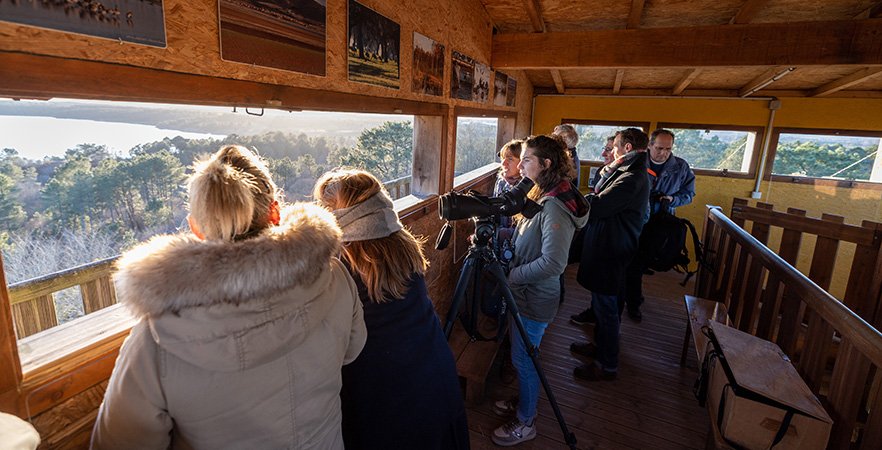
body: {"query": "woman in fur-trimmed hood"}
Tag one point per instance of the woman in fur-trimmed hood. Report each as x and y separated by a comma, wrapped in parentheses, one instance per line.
(245, 324)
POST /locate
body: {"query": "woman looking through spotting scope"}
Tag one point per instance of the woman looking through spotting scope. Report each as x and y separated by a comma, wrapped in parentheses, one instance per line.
(387, 401)
(540, 256)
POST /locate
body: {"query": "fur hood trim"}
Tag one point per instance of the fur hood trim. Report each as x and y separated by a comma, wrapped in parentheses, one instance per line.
(170, 273)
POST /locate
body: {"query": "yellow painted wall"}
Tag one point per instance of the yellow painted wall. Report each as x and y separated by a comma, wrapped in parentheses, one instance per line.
(855, 204)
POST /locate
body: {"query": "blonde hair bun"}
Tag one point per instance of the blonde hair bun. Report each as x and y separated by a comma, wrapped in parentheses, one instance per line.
(230, 194)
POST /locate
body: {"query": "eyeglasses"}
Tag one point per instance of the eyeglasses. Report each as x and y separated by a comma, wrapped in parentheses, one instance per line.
(607, 149)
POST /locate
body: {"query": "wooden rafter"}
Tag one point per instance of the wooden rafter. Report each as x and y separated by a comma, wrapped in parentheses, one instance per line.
(535, 13)
(558, 81)
(766, 44)
(846, 81)
(872, 12)
(685, 81)
(762, 81)
(617, 86)
(636, 14)
(748, 11)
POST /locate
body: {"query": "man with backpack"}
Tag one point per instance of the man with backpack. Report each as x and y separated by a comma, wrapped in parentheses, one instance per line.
(672, 184)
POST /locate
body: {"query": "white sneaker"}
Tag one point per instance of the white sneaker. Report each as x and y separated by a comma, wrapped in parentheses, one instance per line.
(514, 433)
(505, 408)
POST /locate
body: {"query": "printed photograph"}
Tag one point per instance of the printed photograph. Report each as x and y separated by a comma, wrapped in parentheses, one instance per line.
(500, 86)
(428, 65)
(463, 76)
(137, 21)
(511, 92)
(374, 42)
(481, 88)
(283, 34)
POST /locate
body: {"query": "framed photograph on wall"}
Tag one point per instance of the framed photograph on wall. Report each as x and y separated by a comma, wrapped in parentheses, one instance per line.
(511, 92)
(136, 21)
(500, 87)
(373, 43)
(462, 79)
(481, 89)
(283, 34)
(428, 65)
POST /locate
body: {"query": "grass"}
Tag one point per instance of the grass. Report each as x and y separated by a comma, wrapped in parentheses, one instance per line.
(373, 72)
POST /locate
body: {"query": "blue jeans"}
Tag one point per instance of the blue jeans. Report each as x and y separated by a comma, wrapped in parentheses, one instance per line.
(606, 330)
(528, 379)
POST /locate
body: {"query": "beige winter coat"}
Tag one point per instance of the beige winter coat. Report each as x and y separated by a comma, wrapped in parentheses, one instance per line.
(240, 344)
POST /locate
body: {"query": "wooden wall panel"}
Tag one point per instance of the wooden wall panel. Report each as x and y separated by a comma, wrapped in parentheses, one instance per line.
(194, 45)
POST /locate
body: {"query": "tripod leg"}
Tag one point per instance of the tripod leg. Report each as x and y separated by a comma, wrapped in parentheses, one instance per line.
(496, 269)
(468, 267)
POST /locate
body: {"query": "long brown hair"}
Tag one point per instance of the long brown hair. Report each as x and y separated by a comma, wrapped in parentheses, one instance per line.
(560, 165)
(385, 265)
(231, 193)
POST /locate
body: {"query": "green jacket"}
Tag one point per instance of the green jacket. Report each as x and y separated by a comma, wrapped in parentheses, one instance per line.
(541, 248)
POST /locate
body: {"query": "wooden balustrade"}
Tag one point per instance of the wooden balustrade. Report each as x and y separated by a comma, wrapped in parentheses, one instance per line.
(33, 302)
(832, 342)
(399, 187)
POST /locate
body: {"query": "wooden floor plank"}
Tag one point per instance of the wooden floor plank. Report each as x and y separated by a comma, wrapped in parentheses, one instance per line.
(650, 405)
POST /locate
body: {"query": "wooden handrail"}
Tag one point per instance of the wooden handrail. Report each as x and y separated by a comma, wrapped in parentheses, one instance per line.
(28, 290)
(838, 231)
(861, 334)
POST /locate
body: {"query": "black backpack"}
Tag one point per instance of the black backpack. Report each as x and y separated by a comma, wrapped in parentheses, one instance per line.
(663, 244)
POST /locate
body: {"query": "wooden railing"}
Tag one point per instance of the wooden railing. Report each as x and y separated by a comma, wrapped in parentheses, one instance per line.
(832, 343)
(33, 301)
(399, 187)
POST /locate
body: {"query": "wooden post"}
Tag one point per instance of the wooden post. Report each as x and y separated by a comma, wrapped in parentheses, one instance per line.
(753, 284)
(97, 294)
(34, 316)
(791, 305)
(10, 365)
(819, 335)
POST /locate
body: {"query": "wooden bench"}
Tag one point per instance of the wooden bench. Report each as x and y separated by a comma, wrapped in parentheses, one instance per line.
(474, 358)
(698, 312)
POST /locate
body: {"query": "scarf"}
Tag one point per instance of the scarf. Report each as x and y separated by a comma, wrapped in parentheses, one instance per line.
(567, 193)
(373, 218)
(611, 168)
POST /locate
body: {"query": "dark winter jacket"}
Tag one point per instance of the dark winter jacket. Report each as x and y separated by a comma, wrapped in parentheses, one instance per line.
(403, 391)
(610, 239)
(677, 180)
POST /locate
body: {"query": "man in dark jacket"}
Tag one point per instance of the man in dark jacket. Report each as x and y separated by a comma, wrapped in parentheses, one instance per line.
(618, 209)
(672, 184)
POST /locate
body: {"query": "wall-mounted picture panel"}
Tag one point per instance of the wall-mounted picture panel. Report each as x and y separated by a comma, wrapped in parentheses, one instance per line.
(428, 65)
(500, 87)
(374, 42)
(463, 76)
(511, 92)
(481, 89)
(138, 21)
(284, 34)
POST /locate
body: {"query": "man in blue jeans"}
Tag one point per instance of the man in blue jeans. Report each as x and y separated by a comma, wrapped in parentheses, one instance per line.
(619, 204)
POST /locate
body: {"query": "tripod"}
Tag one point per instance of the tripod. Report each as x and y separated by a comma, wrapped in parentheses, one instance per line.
(480, 258)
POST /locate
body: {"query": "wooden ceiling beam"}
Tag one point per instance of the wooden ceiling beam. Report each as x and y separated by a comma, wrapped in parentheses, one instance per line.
(846, 81)
(558, 81)
(636, 14)
(748, 11)
(872, 12)
(535, 13)
(763, 80)
(617, 85)
(721, 93)
(766, 44)
(685, 81)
